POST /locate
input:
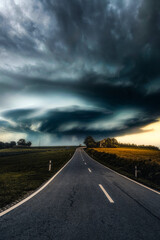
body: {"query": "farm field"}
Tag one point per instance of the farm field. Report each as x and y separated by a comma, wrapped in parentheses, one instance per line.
(24, 170)
(20, 150)
(132, 153)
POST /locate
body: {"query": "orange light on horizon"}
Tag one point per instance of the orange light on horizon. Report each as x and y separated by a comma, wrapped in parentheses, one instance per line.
(152, 137)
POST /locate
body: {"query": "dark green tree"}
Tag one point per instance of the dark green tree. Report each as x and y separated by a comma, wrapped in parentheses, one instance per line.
(1, 145)
(21, 142)
(90, 142)
(114, 143)
(12, 144)
(28, 144)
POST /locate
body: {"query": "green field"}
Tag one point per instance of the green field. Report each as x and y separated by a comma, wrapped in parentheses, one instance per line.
(24, 170)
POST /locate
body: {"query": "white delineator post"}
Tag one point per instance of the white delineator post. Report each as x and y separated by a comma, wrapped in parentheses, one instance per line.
(50, 165)
(136, 172)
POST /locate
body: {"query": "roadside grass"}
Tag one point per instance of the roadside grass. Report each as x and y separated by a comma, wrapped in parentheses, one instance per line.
(20, 174)
(148, 169)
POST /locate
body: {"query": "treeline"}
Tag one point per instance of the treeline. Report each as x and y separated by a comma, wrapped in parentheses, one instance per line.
(113, 143)
(150, 147)
(108, 142)
(12, 144)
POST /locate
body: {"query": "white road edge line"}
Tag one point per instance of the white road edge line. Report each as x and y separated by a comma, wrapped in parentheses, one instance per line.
(36, 192)
(89, 170)
(142, 185)
(106, 194)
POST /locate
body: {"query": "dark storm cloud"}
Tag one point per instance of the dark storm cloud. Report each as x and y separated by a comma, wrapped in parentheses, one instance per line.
(99, 90)
(92, 26)
(106, 53)
(16, 43)
(18, 32)
(70, 122)
(53, 119)
(107, 31)
(19, 114)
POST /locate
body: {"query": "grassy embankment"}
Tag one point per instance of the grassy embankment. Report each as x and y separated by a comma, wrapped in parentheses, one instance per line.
(124, 160)
(24, 170)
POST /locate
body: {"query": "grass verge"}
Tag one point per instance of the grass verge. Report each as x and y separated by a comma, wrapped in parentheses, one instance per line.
(148, 172)
(24, 173)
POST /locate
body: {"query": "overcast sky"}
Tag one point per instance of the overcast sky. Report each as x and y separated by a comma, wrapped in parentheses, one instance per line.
(72, 68)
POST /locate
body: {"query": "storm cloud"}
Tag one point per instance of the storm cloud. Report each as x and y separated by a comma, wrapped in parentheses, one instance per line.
(73, 68)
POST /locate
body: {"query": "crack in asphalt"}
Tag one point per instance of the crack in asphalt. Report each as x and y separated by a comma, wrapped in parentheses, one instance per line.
(72, 197)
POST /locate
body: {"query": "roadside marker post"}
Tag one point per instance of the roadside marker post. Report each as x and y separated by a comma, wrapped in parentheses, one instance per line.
(136, 172)
(50, 165)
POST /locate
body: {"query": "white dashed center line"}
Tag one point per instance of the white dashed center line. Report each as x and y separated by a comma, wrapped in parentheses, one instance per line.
(89, 170)
(106, 194)
(82, 157)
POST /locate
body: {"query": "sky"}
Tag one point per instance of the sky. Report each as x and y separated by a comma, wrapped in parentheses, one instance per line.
(73, 68)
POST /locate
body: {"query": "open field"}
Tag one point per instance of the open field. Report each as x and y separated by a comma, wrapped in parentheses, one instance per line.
(28, 169)
(124, 160)
(132, 153)
(29, 149)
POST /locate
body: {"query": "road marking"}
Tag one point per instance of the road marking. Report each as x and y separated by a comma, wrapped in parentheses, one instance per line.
(106, 194)
(142, 185)
(85, 163)
(89, 170)
(36, 192)
(82, 156)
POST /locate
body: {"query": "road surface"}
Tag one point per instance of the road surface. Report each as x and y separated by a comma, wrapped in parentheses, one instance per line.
(86, 201)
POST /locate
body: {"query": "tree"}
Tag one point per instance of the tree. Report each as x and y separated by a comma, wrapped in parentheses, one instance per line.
(1, 145)
(108, 143)
(90, 142)
(21, 142)
(114, 143)
(6, 145)
(28, 144)
(12, 143)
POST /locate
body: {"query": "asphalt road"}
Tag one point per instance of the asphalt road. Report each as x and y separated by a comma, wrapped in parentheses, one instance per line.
(86, 201)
